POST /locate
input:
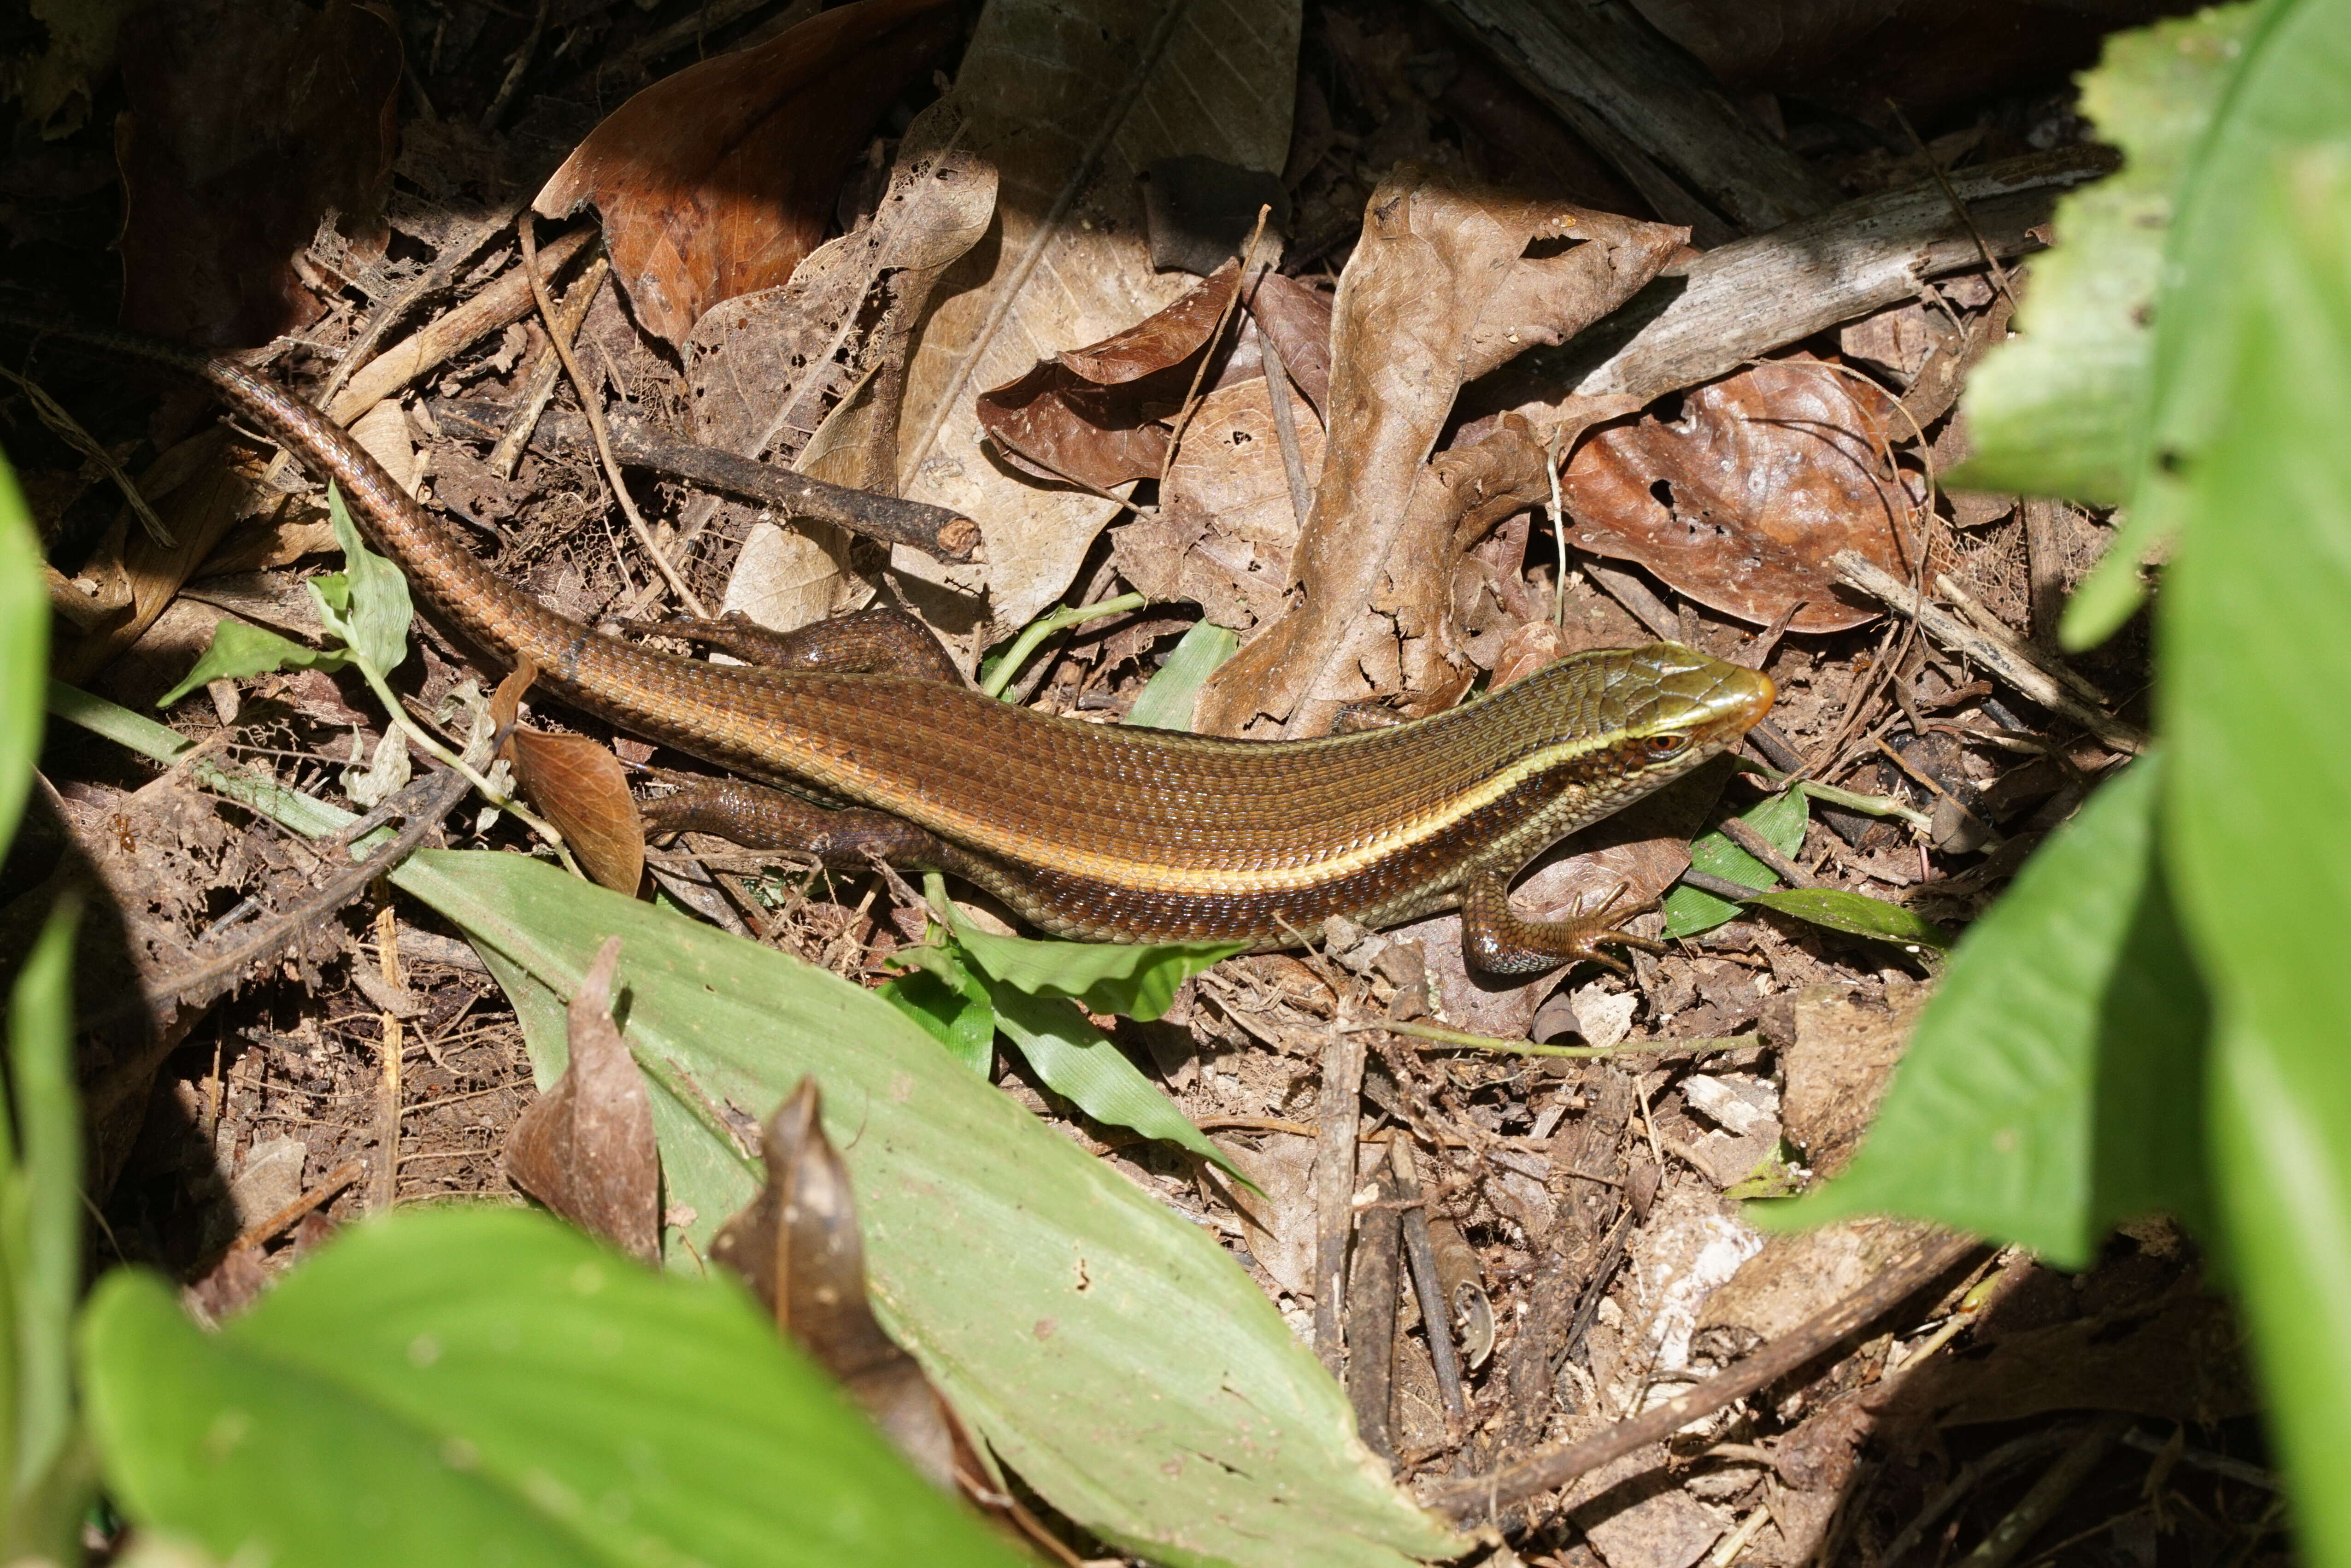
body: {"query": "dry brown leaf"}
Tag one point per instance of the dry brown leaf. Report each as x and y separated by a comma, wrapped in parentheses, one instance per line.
(716, 182)
(1070, 108)
(1099, 413)
(577, 785)
(585, 1148)
(1740, 501)
(814, 372)
(798, 1246)
(1226, 526)
(249, 121)
(1434, 291)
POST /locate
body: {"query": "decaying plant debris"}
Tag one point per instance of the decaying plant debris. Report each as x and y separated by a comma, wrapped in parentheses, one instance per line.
(947, 373)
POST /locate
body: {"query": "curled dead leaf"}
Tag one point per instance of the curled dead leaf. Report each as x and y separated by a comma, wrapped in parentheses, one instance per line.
(1738, 498)
(798, 1247)
(579, 786)
(585, 1148)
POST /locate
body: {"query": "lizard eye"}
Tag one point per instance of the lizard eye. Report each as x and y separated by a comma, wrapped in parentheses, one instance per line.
(1663, 745)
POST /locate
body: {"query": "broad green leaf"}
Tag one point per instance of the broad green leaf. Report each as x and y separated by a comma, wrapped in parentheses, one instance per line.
(2061, 408)
(2252, 668)
(1085, 1066)
(239, 651)
(2055, 1085)
(1780, 819)
(1856, 914)
(1119, 1403)
(42, 1466)
(483, 1384)
(1130, 980)
(1169, 696)
(366, 604)
(2292, 88)
(24, 652)
(1107, 1351)
(948, 1000)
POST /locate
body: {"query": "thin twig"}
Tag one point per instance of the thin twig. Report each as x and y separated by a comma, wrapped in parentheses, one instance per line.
(1192, 395)
(1487, 1497)
(592, 406)
(1285, 426)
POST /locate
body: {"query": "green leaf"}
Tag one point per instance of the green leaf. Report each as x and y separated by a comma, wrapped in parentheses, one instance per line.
(2252, 668)
(24, 652)
(2062, 409)
(2055, 1085)
(483, 1384)
(2290, 88)
(366, 604)
(239, 652)
(1085, 1066)
(948, 1000)
(1168, 698)
(1780, 819)
(1856, 914)
(1136, 980)
(43, 1487)
(1105, 1349)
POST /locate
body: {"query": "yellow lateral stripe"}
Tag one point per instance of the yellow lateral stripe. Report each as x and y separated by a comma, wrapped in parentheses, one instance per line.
(990, 837)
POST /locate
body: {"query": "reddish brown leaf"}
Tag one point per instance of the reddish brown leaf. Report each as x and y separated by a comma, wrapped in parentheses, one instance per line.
(716, 182)
(249, 120)
(1741, 501)
(581, 786)
(798, 1248)
(1097, 413)
(585, 1148)
(577, 785)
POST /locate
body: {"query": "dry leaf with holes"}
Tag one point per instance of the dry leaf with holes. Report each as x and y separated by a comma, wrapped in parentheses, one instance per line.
(585, 1148)
(717, 181)
(798, 1248)
(1739, 497)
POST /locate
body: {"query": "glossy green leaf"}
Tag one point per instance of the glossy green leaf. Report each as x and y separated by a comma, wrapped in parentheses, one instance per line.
(366, 604)
(483, 1384)
(2254, 670)
(949, 1001)
(1780, 819)
(2292, 88)
(1085, 1067)
(2062, 409)
(44, 1486)
(1168, 698)
(1134, 980)
(1109, 1353)
(1856, 914)
(238, 652)
(2055, 1085)
(23, 650)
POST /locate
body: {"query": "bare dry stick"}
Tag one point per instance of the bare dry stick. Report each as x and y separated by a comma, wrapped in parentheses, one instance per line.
(1487, 1497)
(592, 406)
(2002, 654)
(1285, 427)
(1337, 1113)
(433, 278)
(539, 384)
(507, 301)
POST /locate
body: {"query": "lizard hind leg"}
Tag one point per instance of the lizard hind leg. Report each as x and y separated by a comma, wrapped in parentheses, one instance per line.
(756, 816)
(1496, 939)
